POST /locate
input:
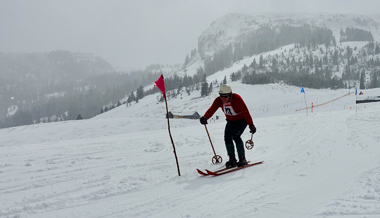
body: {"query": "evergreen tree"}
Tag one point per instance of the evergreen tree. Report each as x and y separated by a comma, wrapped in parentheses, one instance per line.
(377, 49)
(187, 60)
(374, 83)
(362, 75)
(233, 77)
(131, 97)
(140, 93)
(335, 58)
(200, 71)
(204, 89)
(253, 64)
(311, 61)
(209, 89)
(261, 62)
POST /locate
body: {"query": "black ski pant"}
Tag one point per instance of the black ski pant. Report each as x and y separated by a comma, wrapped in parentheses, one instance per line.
(233, 132)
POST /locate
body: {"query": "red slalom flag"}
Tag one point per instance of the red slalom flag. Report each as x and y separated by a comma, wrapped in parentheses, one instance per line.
(160, 83)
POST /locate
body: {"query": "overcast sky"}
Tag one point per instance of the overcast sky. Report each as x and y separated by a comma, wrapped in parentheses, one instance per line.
(135, 33)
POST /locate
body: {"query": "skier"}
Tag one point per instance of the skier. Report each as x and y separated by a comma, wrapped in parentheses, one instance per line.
(238, 117)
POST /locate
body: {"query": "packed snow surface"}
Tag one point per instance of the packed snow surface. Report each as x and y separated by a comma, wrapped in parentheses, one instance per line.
(324, 163)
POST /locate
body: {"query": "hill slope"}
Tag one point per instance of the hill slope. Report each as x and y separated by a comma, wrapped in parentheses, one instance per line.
(120, 163)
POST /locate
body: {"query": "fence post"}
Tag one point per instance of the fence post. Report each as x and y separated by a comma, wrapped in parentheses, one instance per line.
(312, 106)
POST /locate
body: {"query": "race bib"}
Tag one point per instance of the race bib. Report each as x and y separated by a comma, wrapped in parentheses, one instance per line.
(228, 110)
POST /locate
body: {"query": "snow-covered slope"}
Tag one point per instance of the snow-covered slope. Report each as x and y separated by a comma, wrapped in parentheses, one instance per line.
(324, 163)
(121, 164)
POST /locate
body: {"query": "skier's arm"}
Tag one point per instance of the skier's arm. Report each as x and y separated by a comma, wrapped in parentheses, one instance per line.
(245, 111)
(215, 105)
(248, 117)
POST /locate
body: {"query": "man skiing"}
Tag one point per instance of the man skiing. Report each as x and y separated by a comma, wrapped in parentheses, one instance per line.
(238, 117)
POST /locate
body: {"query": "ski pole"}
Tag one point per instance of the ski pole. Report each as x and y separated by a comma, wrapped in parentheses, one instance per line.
(216, 158)
(249, 143)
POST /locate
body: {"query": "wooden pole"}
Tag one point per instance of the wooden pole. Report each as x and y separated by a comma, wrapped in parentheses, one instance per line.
(216, 158)
(210, 140)
(175, 154)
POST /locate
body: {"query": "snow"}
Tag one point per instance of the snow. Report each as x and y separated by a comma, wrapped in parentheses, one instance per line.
(324, 163)
(121, 163)
(55, 95)
(12, 110)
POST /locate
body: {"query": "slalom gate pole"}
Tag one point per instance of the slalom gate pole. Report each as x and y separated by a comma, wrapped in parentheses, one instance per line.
(175, 154)
(216, 158)
(356, 105)
(304, 95)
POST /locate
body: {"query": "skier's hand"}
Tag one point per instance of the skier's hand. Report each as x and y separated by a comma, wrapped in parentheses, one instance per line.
(203, 120)
(252, 129)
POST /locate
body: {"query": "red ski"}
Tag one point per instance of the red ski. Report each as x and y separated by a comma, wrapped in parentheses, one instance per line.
(206, 174)
(228, 170)
(201, 172)
(218, 171)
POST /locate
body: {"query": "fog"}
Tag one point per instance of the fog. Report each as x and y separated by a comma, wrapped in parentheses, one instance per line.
(133, 34)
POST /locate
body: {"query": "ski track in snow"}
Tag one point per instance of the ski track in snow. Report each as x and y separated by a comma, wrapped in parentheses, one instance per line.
(121, 163)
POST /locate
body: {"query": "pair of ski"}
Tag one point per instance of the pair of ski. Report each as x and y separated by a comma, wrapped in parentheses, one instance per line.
(226, 170)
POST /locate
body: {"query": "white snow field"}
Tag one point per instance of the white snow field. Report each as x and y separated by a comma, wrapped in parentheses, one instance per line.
(121, 163)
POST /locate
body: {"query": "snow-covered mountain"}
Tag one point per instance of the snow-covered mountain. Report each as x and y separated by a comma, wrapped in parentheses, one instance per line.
(121, 164)
(232, 28)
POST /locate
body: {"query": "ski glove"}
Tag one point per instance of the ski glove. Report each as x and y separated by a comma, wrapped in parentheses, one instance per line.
(252, 129)
(203, 120)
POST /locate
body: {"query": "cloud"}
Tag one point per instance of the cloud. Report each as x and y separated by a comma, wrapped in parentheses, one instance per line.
(136, 33)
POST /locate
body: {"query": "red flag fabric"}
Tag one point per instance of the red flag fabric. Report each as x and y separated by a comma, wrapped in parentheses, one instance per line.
(160, 83)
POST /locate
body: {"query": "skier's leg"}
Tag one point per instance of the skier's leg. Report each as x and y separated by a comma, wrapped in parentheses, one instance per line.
(228, 134)
(229, 145)
(239, 146)
(239, 128)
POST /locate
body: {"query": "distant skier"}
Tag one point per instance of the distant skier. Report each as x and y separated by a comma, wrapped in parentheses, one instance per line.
(238, 117)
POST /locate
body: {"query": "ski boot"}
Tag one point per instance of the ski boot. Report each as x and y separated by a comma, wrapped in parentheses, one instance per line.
(231, 162)
(242, 161)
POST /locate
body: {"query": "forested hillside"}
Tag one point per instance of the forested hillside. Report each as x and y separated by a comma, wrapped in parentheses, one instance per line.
(269, 38)
(61, 85)
(318, 67)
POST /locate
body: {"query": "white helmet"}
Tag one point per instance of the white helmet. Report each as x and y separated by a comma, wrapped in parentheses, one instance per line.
(225, 89)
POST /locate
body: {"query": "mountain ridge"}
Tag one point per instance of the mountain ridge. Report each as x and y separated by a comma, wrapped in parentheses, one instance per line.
(231, 27)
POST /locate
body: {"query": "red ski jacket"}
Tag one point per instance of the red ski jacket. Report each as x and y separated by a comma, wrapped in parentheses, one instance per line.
(234, 110)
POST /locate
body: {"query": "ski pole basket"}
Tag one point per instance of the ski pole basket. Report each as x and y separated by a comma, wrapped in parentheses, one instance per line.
(249, 143)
